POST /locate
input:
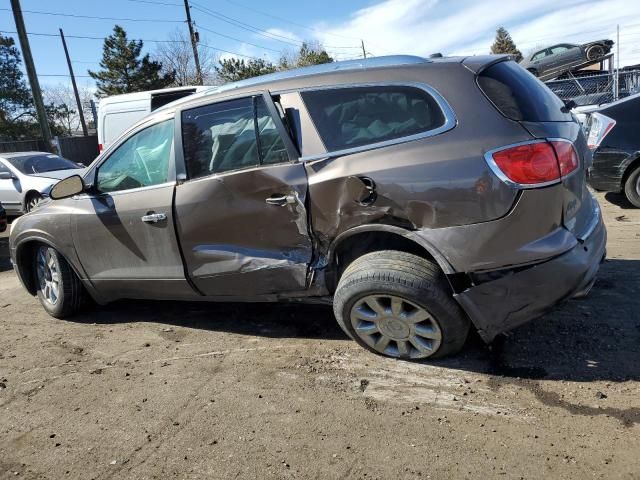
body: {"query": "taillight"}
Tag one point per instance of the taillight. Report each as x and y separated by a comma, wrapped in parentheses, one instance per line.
(100, 147)
(567, 156)
(599, 126)
(534, 164)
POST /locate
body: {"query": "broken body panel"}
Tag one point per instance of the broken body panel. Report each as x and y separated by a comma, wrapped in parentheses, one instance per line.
(223, 239)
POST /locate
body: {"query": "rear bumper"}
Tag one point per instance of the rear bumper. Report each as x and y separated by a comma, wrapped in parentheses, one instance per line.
(525, 293)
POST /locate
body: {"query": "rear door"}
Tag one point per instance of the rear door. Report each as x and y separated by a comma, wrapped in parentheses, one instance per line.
(241, 212)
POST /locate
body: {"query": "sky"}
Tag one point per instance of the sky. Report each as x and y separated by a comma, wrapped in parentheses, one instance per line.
(259, 29)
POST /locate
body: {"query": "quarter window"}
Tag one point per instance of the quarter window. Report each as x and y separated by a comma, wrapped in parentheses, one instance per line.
(141, 161)
(231, 135)
(357, 116)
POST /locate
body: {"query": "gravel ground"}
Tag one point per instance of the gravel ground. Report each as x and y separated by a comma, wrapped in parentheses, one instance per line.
(164, 390)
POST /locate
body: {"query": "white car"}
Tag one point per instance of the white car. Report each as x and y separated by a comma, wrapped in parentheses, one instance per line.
(25, 178)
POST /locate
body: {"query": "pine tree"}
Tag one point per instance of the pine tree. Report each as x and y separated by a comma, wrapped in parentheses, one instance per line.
(123, 71)
(15, 98)
(505, 44)
(232, 69)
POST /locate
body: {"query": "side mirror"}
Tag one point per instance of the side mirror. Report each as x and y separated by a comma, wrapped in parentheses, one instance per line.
(6, 175)
(67, 188)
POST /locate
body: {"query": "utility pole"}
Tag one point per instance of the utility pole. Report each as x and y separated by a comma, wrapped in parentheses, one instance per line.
(75, 87)
(364, 52)
(194, 42)
(31, 72)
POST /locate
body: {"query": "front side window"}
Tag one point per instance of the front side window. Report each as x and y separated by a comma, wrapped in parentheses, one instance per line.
(231, 135)
(356, 116)
(141, 161)
(539, 55)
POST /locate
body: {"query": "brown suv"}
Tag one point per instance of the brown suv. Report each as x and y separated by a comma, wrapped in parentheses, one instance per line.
(420, 196)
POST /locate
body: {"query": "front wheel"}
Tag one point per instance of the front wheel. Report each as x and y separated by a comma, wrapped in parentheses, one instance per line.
(32, 201)
(399, 305)
(57, 286)
(632, 187)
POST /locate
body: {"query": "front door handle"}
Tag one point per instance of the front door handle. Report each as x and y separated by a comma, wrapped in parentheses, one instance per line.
(281, 199)
(154, 217)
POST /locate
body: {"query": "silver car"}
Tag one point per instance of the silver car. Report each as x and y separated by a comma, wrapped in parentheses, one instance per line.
(25, 178)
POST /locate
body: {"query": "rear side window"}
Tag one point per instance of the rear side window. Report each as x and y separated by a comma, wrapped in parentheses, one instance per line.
(357, 116)
(520, 96)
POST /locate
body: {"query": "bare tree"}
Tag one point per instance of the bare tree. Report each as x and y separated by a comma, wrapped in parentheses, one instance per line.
(66, 115)
(177, 55)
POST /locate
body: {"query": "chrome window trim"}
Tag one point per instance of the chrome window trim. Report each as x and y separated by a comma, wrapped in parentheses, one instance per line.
(488, 157)
(123, 192)
(450, 120)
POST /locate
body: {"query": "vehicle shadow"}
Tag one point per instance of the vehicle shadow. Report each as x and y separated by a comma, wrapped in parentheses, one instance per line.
(594, 338)
(274, 320)
(583, 340)
(619, 200)
(5, 258)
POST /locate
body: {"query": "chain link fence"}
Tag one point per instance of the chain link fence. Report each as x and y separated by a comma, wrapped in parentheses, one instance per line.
(596, 89)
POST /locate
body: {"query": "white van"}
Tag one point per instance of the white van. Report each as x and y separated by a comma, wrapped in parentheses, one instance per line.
(119, 112)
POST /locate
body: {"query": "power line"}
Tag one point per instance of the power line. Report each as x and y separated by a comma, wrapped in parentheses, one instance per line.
(85, 37)
(282, 19)
(37, 12)
(254, 29)
(236, 39)
(156, 3)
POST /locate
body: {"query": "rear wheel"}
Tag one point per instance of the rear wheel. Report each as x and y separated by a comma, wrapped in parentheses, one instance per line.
(399, 305)
(32, 201)
(632, 187)
(58, 288)
(594, 52)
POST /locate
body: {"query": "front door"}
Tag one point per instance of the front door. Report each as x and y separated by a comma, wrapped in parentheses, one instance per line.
(241, 213)
(123, 229)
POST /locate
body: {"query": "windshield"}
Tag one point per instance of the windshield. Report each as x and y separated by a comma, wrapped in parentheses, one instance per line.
(41, 163)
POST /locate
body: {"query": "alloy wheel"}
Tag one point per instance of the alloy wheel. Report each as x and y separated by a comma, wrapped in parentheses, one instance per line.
(396, 327)
(48, 273)
(33, 203)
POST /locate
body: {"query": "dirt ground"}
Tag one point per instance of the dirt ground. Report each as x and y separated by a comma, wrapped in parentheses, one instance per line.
(164, 390)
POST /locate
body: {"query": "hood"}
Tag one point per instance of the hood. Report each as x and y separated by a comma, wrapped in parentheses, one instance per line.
(59, 174)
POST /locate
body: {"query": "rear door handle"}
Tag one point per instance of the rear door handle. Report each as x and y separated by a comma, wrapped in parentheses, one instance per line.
(281, 200)
(154, 217)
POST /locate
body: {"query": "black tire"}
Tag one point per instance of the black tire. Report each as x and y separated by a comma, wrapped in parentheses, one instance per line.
(632, 187)
(412, 279)
(32, 200)
(594, 52)
(71, 297)
(532, 71)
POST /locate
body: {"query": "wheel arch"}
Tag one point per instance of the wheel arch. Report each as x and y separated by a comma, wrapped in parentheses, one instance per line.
(24, 260)
(629, 168)
(358, 241)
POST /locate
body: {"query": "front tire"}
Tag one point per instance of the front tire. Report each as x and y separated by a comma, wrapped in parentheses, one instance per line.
(57, 286)
(632, 187)
(399, 305)
(32, 201)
